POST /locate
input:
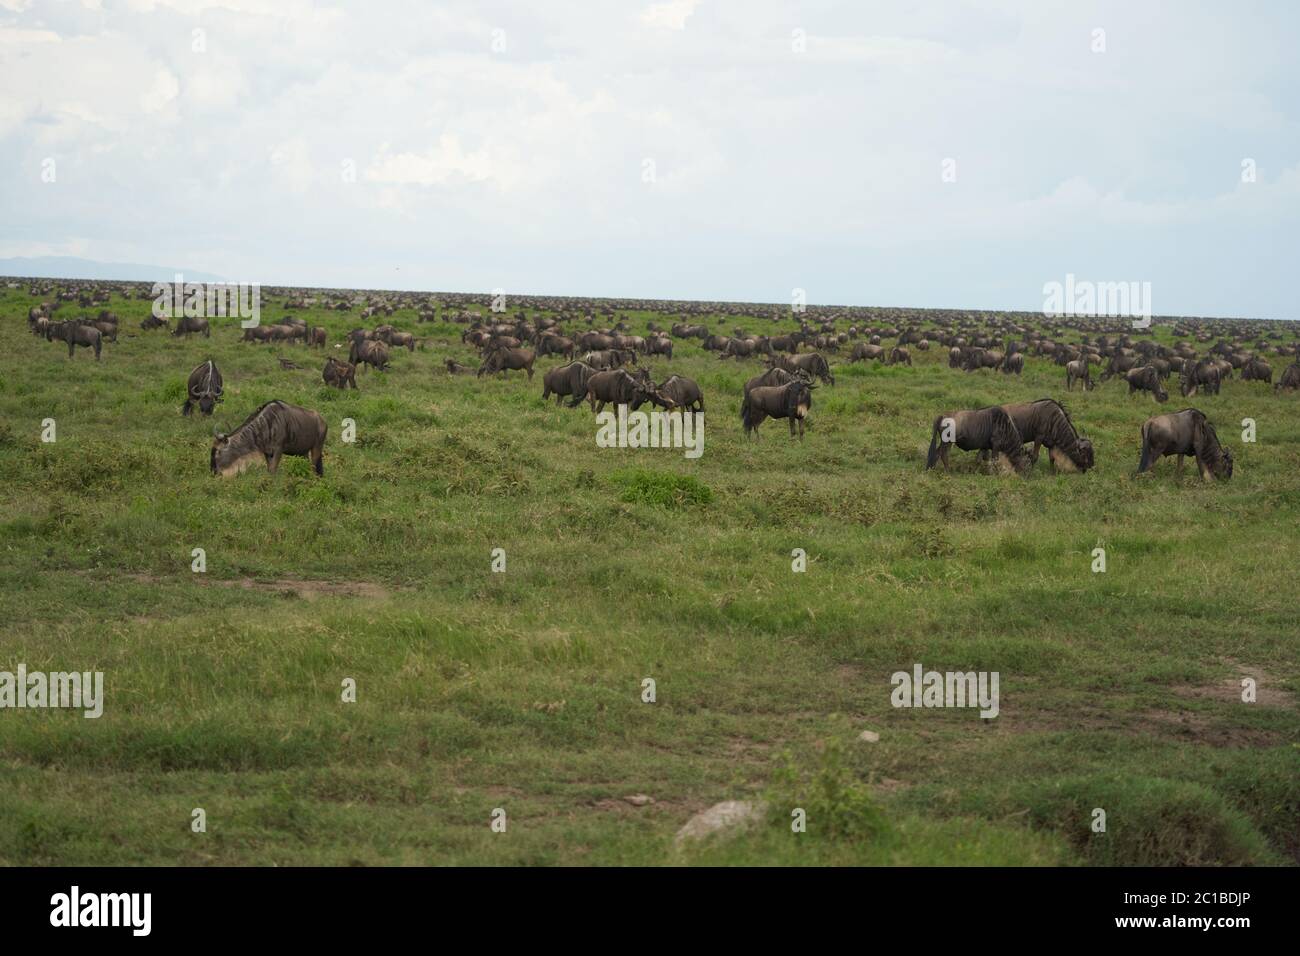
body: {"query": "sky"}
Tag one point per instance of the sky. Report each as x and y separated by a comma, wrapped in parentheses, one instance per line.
(926, 154)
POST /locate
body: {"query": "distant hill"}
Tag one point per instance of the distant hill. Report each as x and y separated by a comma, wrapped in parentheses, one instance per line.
(70, 267)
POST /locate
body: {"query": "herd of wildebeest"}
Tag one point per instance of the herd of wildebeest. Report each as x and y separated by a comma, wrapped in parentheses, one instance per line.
(600, 363)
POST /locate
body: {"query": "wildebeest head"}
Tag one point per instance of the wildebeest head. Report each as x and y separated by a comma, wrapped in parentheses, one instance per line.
(226, 459)
(207, 402)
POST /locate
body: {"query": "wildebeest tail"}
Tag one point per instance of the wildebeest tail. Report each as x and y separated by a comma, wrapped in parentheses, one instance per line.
(935, 444)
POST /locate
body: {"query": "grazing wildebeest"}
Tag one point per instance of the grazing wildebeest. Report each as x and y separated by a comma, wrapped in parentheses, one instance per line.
(1146, 379)
(978, 358)
(617, 386)
(455, 368)
(1187, 432)
(1257, 370)
(954, 357)
(555, 345)
(259, 333)
(190, 324)
(316, 336)
(153, 322)
(774, 376)
(273, 431)
(371, 352)
(1079, 371)
(397, 339)
(899, 354)
(865, 352)
(1014, 363)
(983, 429)
(204, 388)
(1046, 423)
(659, 345)
(1204, 374)
(683, 392)
(570, 379)
(339, 374)
(74, 333)
(501, 360)
(813, 364)
(791, 401)
(1290, 378)
(1120, 364)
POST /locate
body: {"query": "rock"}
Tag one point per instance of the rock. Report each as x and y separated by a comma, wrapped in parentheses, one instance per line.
(720, 816)
(870, 736)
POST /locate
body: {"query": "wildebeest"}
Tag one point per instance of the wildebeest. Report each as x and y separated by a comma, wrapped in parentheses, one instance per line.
(370, 352)
(1014, 364)
(683, 392)
(456, 368)
(189, 324)
(1079, 371)
(1257, 370)
(865, 352)
(75, 333)
(814, 364)
(898, 354)
(983, 429)
(775, 376)
(620, 388)
(1146, 379)
(501, 360)
(276, 429)
(1187, 432)
(316, 336)
(1204, 374)
(570, 379)
(204, 388)
(791, 401)
(339, 374)
(1290, 378)
(603, 359)
(1045, 422)
(153, 322)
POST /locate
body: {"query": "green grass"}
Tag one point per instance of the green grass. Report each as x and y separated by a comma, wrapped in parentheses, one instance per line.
(522, 690)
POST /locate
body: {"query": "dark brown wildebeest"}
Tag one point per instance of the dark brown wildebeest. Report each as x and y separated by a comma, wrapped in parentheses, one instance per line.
(1257, 370)
(339, 374)
(1204, 374)
(399, 340)
(1146, 379)
(188, 325)
(1290, 378)
(978, 358)
(791, 401)
(983, 429)
(555, 345)
(153, 322)
(864, 352)
(1120, 364)
(316, 336)
(774, 376)
(603, 359)
(1046, 423)
(683, 393)
(954, 357)
(1079, 371)
(75, 333)
(899, 354)
(813, 364)
(502, 360)
(370, 352)
(455, 368)
(659, 345)
(204, 388)
(258, 333)
(570, 379)
(620, 388)
(740, 348)
(273, 431)
(1187, 432)
(1014, 363)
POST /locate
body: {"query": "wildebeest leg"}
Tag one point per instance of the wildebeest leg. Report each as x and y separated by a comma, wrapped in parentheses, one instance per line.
(1180, 466)
(318, 459)
(71, 346)
(273, 461)
(187, 407)
(943, 455)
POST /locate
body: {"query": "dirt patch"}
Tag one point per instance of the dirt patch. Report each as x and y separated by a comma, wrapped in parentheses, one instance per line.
(1268, 690)
(1202, 729)
(295, 587)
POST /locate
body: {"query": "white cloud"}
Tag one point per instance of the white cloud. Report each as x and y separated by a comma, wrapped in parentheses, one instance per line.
(670, 15)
